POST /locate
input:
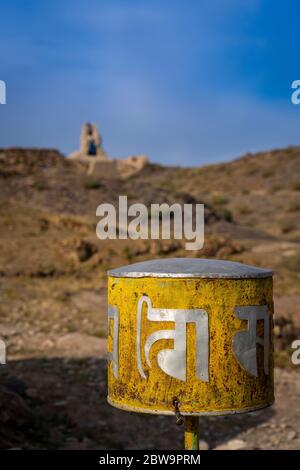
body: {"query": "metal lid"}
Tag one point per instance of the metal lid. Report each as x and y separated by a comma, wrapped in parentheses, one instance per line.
(191, 267)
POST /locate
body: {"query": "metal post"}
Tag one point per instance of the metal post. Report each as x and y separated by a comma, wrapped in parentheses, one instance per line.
(191, 433)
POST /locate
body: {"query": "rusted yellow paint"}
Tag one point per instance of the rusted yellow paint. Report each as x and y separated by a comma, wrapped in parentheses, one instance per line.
(191, 433)
(230, 388)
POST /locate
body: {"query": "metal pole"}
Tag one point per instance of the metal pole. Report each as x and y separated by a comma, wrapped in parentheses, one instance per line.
(191, 433)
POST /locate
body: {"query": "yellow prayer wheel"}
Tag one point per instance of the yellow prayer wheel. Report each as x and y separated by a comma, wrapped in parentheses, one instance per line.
(190, 337)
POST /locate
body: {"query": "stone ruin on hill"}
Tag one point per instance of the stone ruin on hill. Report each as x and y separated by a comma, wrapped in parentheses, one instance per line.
(91, 142)
(98, 163)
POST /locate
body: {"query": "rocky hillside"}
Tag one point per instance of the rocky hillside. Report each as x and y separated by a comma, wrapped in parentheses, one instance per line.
(52, 269)
(49, 252)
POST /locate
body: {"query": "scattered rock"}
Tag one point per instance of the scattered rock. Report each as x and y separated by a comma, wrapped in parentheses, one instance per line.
(60, 403)
(203, 445)
(233, 444)
(291, 435)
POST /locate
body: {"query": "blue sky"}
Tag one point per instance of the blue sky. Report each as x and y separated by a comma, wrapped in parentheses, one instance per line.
(186, 82)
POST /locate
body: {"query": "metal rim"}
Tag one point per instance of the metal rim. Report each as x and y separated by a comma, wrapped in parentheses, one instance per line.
(190, 268)
(137, 409)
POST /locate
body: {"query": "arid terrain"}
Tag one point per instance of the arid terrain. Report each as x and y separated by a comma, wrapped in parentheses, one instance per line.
(53, 292)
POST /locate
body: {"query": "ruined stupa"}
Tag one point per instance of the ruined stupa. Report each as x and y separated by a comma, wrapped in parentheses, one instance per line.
(90, 144)
(98, 163)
